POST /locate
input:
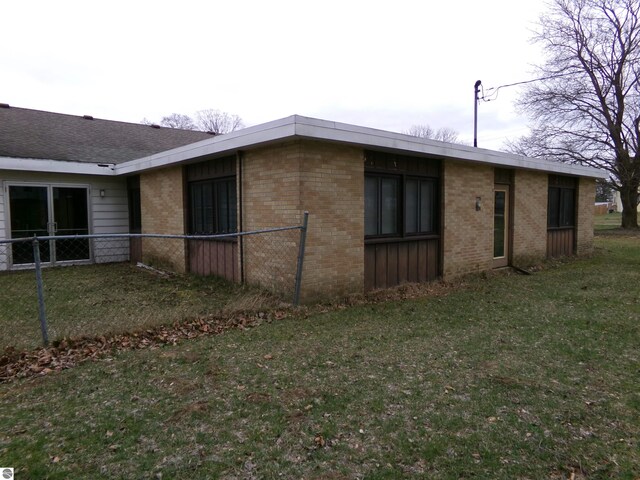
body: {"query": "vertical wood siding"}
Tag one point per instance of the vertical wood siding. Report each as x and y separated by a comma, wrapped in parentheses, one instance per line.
(394, 263)
(219, 258)
(560, 243)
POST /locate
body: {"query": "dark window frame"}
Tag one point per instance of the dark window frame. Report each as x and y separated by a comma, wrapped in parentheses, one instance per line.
(401, 228)
(561, 203)
(216, 221)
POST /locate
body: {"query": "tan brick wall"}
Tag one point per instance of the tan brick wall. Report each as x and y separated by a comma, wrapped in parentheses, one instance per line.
(271, 198)
(161, 205)
(584, 227)
(530, 195)
(279, 184)
(467, 233)
(333, 192)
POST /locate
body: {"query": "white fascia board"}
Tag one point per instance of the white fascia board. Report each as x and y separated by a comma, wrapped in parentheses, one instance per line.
(297, 126)
(277, 130)
(55, 166)
(368, 137)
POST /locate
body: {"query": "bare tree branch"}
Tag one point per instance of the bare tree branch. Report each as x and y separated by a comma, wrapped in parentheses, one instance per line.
(178, 120)
(444, 134)
(591, 113)
(217, 122)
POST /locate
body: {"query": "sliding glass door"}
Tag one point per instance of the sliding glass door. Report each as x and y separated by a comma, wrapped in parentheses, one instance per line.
(48, 210)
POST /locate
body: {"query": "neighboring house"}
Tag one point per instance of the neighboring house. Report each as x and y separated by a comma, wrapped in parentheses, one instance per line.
(618, 201)
(385, 208)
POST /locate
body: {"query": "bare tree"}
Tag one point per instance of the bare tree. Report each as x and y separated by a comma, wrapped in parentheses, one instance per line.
(587, 104)
(426, 131)
(217, 122)
(178, 120)
(209, 120)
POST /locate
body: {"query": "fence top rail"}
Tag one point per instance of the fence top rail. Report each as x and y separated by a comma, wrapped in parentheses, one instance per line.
(149, 235)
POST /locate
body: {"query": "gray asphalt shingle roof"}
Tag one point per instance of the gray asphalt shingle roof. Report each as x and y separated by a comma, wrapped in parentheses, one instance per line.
(26, 133)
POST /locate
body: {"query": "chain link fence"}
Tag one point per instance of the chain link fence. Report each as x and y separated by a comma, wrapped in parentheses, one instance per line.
(91, 285)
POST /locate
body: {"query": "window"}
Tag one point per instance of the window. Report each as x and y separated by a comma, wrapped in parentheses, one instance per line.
(562, 203)
(213, 206)
(381, 205)
(390, 213)
(420, 200)
(135, 209)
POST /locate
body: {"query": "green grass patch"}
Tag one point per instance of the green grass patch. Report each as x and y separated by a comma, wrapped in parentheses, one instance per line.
(609, 222)
(510, 376)
(101, 299)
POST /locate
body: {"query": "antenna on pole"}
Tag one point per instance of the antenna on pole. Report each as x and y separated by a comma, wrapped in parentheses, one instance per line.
(476, 90)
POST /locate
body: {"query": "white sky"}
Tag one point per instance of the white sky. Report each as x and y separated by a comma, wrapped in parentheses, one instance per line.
(383, 64)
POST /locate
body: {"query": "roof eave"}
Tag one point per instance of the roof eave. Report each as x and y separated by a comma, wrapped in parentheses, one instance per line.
(296, 126)
(367, 137)
(278, 130)
(56, 166)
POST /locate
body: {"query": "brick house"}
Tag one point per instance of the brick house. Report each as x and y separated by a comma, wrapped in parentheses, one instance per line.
(385, 208)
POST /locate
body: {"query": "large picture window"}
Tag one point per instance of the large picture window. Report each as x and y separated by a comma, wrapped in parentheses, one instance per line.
(561, 211)
(398, 205)
(213, 206)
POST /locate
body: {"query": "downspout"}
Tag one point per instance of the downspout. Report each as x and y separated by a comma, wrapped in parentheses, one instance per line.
(239, 161)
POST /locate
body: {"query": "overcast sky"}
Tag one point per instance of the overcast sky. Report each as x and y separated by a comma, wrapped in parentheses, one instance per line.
(383, 64)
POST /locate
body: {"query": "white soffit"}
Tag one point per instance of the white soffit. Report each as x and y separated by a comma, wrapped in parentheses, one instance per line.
(55, 166)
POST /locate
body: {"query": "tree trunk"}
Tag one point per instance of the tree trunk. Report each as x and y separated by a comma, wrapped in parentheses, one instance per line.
(629, 197)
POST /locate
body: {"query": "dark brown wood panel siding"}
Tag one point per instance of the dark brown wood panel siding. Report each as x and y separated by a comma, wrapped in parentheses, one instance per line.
(560, 242)
(135, 250)
(210, 257)
(219, 167)
(390, 162)
(393, 263)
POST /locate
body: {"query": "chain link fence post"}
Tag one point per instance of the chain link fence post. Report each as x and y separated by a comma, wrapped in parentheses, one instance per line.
(303, 239)
(41, 307)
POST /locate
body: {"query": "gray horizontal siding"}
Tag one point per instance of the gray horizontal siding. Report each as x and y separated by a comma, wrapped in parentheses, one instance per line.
(108, 214)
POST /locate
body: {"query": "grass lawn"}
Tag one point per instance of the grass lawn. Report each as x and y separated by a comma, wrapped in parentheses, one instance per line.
(92, 300)
(609, 221)
(509, 376)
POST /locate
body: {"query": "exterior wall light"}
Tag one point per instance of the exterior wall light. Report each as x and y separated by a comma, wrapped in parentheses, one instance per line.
(102, 193)
(478, 204)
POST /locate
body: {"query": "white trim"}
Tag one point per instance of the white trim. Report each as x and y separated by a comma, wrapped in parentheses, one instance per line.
(248, 137)
(296, 126)
(49, 186)
(54, 166)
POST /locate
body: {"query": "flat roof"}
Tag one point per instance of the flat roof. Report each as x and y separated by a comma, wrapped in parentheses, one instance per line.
(299, 127)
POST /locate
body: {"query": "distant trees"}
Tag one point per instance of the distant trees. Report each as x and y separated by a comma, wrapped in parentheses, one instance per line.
(426, 131)
(604, 192)
(586, 105)
(209, 120)
(178, 120)
(217, 122)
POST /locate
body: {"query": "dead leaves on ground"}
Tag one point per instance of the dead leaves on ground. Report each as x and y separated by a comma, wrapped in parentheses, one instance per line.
(67, 353)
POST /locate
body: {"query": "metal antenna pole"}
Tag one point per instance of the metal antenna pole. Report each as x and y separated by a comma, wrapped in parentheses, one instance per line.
(476, 90)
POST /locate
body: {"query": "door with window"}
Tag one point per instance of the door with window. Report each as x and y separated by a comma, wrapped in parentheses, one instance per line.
(501, 226)
(49, 210)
